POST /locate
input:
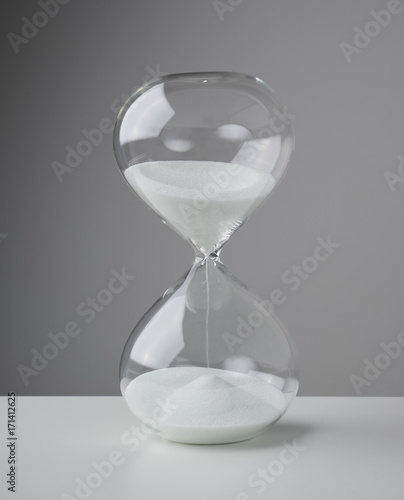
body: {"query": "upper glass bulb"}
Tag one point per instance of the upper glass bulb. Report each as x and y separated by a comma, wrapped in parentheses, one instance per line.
(203, 150)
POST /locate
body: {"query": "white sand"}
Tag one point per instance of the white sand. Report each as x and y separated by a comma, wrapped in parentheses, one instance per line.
(204, 201)
(206, 405)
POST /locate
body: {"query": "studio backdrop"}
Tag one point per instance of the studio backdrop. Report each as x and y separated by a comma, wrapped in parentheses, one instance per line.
(82, 258)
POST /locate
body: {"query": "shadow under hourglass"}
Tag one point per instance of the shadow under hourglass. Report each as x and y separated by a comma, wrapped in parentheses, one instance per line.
(274, 436)
(165, 469)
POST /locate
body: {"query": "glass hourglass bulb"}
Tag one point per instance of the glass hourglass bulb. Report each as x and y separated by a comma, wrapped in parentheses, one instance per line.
(209, 362)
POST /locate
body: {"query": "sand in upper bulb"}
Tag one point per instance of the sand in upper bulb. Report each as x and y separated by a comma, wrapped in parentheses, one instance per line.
(204, 201)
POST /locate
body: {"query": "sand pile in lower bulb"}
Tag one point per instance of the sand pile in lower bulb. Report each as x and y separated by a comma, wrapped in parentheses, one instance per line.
(204, 405)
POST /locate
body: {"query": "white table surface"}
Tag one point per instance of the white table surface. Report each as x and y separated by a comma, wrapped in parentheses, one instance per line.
(350, 448)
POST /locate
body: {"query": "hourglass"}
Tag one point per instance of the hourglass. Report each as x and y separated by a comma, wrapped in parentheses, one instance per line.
(209, 362)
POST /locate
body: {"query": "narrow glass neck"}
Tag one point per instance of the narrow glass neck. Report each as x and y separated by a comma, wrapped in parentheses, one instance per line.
(200, 256)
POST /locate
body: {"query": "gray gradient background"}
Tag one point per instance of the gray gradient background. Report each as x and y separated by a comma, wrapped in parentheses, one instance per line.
(65, 238)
